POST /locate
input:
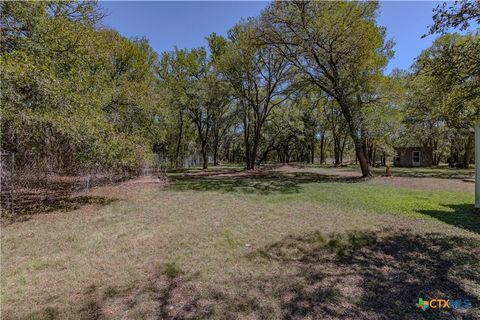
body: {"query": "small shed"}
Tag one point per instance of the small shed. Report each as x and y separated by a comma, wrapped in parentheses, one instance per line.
(414, 157)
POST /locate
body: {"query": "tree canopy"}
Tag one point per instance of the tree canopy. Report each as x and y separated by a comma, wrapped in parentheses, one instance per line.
(303, 81)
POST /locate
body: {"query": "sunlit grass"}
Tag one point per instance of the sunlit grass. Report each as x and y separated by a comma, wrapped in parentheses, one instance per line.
(380, 199)
(454, 208)
(451, 207)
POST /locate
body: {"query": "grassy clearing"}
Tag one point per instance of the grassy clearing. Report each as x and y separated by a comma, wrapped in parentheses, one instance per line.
(432, 172)
(442, 171)
(451, 207)
(249, 247)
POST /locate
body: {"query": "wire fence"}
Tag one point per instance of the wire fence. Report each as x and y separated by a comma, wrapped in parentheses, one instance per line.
(30, 182)
(7, 172)
(182, 162)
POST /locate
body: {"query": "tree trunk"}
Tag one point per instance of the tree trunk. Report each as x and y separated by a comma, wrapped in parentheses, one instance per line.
(205, 160)
(342, 149)
(247, 156)
(203, 140)
(362, 159)
(336, 149)
(256, 142)
(282, 155)
(374, 156)
(468, 151)
(216, 146)
(313, 153)
(322, 148)
(357, 141)
(365, 149)
(439, 158)
(264, 156)
(179, 142)
(215, 155)
(365, 152)
(287, 155)
(248, 151)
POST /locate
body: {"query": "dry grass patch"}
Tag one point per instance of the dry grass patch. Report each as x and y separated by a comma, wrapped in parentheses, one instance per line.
(172, 253)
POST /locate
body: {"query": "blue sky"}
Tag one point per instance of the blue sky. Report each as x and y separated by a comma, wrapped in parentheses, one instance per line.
(186, 24)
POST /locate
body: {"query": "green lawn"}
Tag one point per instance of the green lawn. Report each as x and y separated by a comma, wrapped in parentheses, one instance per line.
(451, 207)
(454, 208)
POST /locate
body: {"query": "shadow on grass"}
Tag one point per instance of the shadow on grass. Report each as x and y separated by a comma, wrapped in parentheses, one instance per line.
(30, 206)
(167, 294)
(362, 275)
(210, 170)
(464, 216)
(354, 275)
(376, 275)
(442, 173)
(255, 182)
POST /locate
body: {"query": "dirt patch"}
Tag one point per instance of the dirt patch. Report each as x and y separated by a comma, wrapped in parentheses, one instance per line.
(423, 183)
(130, 188)
(340, 172)
(434, 184)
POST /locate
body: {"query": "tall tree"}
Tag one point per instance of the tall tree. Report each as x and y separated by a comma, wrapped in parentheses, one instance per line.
(200, 93)
(222, 107)
(446, 85)
(338, 47)
(258, 75)
(182, 76)
(80, 96)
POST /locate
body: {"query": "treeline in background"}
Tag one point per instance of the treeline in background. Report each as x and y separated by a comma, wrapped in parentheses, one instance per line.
(303, 81)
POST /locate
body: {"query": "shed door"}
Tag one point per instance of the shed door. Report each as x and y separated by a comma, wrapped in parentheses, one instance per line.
(416, 158)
